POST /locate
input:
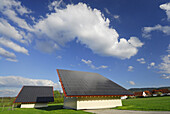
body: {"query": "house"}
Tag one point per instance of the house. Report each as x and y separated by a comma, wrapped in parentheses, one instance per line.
(161, 92)
(148, 93)
(86, 90)
(142, 94)
(124, 97)
(35, 96)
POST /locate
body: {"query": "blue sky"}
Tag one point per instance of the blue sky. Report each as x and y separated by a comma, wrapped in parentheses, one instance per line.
(125, 41)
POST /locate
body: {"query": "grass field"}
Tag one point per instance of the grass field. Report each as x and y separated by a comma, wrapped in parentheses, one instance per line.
(53, 108)
(147, 104)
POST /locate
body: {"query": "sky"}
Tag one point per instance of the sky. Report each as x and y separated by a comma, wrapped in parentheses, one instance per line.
(126, 41)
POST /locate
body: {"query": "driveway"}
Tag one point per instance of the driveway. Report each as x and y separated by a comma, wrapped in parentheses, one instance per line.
(113, 111)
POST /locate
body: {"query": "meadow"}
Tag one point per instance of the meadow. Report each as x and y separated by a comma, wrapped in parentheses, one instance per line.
(146, 104)
(143, 104)
(52, 108)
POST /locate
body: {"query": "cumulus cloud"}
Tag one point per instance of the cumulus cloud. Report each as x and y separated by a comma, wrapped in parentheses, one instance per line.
(14, 12)
(114, 16)
(10, 8)
(10, 85)
(164, 76)
(130, 68)
(12, 60)
(148, 30)
(165, 65)
(59, 57)
(158, 27)
(6, 54)
(18, 81)
(152, 64)
(89, 63)
(9, 31)
(89, 27)
(131, 82)
(107, 11)
(55, 4)
(12, 45)
(46, 46)
(9, 92)
(166, 7)
(141, 60)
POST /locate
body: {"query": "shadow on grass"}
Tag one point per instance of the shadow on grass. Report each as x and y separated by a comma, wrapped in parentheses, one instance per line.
(50, 108)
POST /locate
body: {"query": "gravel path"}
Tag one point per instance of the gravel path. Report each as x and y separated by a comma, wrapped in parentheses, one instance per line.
(113, 111)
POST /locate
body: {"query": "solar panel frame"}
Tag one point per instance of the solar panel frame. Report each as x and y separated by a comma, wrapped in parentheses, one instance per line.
(78, 83)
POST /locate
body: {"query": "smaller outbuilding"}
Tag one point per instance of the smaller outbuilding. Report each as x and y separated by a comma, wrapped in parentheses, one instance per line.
(35, 96)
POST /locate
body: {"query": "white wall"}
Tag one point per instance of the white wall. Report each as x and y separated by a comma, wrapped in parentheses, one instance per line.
(91, 103)
(37, 105)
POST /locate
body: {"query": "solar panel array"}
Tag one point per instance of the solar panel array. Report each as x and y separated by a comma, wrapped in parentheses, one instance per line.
(35, 94)
(77, 83)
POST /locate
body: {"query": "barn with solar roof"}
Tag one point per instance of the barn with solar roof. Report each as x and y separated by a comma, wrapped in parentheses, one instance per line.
(35, 96)
(86, 90)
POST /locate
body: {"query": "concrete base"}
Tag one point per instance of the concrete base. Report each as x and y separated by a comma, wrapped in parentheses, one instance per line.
(91, 103)
(36, 105)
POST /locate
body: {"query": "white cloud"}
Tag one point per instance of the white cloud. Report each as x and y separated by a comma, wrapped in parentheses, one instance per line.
(9, 92)
(147, 30)
(8, 7)
(90, 27)
(131, 82)
(13, 46)
(164, 29)
(107, 11)
(12, 60)
(9, 31)
(164, 76)
(55, 4)
(165, 65)
(17, 81)
(14, 12)
(130, 68)
(46, 46)
(10, 85)
(6, 54)
(152, 64)
(116, 16)
(166, 7)
(134, 41)
(8, 4)
(89, 63)
(141, 60)
(59, 57)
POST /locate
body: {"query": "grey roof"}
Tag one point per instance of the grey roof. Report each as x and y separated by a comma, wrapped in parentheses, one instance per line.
(35, 94)
(77, 83)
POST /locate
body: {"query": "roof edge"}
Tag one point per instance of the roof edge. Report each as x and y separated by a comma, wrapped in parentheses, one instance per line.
(18, 94)
(61, 82)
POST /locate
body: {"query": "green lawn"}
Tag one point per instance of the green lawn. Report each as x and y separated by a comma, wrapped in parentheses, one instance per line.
(53, 108)
(147, 104)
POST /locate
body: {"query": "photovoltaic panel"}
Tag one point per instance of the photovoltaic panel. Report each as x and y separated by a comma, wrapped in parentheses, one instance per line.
(35, 94)
(77, 83)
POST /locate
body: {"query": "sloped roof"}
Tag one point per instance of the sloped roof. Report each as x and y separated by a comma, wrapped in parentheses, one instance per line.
(35, 94)
(77, 83)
